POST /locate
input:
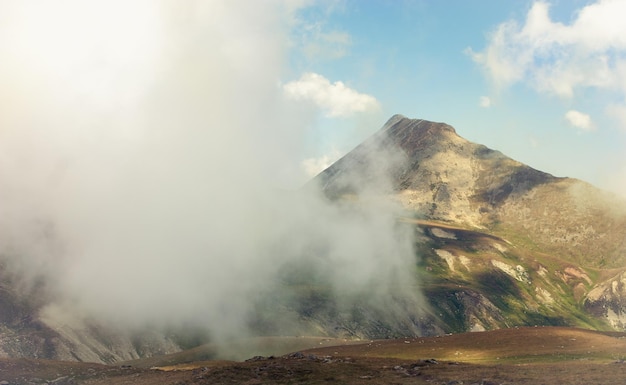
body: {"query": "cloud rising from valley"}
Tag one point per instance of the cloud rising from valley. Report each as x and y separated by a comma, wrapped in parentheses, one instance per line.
(147, 164)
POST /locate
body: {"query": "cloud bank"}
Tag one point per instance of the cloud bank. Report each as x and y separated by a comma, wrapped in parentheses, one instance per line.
(144, 154)
(558, 58)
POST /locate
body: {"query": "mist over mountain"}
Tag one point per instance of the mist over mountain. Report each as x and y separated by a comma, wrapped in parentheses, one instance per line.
(417, 231)
(145, 151)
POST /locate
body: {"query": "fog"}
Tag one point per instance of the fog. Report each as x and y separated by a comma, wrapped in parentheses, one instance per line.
(150, 167)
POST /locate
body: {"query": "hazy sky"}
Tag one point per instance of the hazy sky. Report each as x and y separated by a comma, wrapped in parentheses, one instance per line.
(543, 82)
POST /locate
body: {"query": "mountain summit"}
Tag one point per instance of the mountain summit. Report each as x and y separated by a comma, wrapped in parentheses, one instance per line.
(442, 175)
(438, 175)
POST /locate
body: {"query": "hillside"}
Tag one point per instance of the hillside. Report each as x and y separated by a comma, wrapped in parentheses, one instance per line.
(438, 175)
(495, 244)
(500, 244)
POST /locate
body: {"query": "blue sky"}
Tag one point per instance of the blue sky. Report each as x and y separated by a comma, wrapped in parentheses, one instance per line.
(542, 81)
(426, 59)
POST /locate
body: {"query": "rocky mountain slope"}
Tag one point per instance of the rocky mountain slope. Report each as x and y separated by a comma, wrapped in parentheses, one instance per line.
(497, 244)
(501, 244)
(31, 326)
(27, 330)
(441, 176)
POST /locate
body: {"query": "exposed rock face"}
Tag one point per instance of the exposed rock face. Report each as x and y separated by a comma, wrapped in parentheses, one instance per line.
(608, 300)
(435, 172)
(438, 175)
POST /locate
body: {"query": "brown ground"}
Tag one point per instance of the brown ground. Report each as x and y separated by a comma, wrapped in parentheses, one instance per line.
(510, 356)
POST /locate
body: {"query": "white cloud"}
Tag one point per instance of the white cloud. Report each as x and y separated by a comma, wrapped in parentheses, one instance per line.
(560, 58)
(313, 166)
(579, 120)
(335, 99)
(485, 102)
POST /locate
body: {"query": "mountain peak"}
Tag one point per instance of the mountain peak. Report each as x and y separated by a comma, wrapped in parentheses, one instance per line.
(434, 172)
(401, 124)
